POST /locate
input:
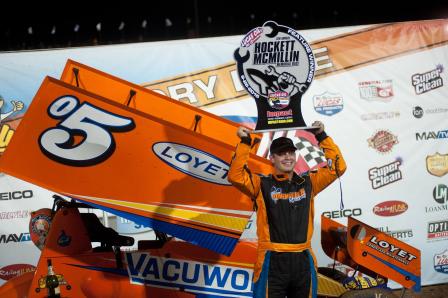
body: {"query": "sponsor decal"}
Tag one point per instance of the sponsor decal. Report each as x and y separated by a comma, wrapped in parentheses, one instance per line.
(427, 81)
(380, 116)
(437, 164)
(438, 110)
(402, 235)
(417, 112)
(385, 175)
(14, 270)
(440, 195)
(15, 214)
(252, 37)
(349, 271)
(8, 238)
(125, 226)
(292, 197)
(328, 103)
(193, 162)
(431, 135)
(441, 262)
(438, 230)
(343, 213)
(17, 106)
(191, 276)
(380, 90)
(40, 226)
(391, 250)
(64, 239)
(390, 208)
(6, 131)
(16, 195)
(382, 141)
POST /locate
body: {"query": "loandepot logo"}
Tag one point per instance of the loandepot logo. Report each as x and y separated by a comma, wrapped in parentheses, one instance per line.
(193, 162)
(189, 276)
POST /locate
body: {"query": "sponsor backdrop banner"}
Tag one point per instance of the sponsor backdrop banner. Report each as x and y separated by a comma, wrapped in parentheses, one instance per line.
(380, 90)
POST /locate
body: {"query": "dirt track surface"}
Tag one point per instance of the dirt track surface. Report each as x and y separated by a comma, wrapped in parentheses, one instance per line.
(437, 291)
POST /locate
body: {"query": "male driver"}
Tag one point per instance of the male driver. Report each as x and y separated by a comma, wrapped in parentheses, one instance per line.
(284, 201)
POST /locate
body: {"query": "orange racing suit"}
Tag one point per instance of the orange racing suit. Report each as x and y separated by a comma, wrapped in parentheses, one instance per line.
(285, 265)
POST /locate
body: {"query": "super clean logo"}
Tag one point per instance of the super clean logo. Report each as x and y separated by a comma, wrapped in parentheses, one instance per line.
(193, 162)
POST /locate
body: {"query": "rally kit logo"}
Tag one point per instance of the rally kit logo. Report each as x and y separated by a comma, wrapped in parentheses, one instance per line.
(437, 164)
(193, 162)
(382, 141)
(276, 66)
(427, 81)
(381, 90)
(385, 175)
(328, 103)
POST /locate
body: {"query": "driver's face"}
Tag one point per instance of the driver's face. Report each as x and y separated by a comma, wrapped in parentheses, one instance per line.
(284, 162)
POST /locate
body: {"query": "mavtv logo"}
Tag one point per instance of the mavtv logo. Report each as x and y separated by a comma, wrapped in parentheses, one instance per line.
(22, 237)
(441, 134)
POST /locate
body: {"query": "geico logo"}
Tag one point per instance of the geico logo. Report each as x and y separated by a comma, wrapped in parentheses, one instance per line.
(193, 162)
(390, 248)
(6, 238)
(202, 277)
(16, 195)
(342, 213)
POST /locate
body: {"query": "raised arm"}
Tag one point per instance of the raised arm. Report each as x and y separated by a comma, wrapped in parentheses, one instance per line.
(239, 173)
(336, 163)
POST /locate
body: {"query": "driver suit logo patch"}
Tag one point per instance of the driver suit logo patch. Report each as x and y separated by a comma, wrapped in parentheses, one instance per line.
(292, 197)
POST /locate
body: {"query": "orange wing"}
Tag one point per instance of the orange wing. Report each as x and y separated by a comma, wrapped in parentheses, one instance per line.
(132, 164)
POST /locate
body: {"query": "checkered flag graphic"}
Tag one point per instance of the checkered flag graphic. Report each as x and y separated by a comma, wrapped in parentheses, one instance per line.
(312, 155)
